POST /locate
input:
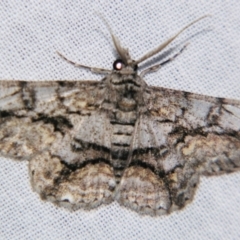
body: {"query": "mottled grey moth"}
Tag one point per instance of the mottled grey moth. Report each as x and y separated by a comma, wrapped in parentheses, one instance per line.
(93, 142)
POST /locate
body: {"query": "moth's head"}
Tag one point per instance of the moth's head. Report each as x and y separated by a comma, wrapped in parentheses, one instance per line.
(124, 63)
(122, 66)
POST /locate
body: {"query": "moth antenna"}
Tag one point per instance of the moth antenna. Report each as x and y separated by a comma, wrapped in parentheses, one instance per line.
(123, 52)
(163, 45)
(92, 69)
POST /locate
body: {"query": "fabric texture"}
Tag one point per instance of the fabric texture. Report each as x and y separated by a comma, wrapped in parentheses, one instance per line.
(30, 34)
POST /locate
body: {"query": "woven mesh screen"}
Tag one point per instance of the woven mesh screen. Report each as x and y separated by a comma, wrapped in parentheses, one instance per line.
(30, 34)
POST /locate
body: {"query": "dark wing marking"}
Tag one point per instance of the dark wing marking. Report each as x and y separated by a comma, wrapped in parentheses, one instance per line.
(178, 137)
(59, 128)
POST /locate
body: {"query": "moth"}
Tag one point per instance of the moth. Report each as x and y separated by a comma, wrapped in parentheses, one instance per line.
(94, 142)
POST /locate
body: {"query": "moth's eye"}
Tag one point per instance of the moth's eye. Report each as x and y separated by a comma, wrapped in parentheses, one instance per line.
(118, 64)
(135, 67)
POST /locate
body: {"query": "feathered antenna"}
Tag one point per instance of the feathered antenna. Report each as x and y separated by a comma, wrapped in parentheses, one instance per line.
(123, 52)
(163, 45)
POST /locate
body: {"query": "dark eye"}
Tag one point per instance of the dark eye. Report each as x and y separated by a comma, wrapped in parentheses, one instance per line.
(118, 64)
(135, 67)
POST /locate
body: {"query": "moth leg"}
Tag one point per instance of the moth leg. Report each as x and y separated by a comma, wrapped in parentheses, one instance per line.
(158, 66)
(86, 187)
(92, 69)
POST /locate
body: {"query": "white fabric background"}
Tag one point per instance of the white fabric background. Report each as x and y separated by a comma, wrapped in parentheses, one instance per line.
(31, 32)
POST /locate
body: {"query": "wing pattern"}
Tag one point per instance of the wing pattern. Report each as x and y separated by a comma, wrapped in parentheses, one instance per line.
(181, 137)
(88, 146)
(91, 143)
